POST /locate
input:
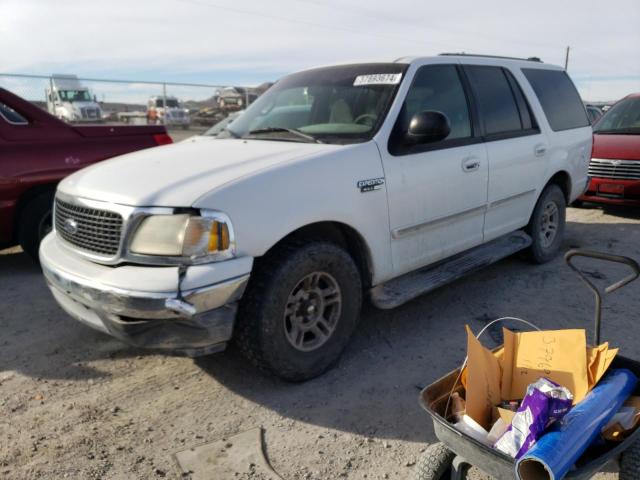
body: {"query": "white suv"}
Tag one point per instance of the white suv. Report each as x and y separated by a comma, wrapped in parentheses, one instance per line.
(385, 179)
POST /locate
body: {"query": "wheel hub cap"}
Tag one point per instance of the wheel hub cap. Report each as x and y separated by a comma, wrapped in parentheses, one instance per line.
(312, 311)
(549, 222)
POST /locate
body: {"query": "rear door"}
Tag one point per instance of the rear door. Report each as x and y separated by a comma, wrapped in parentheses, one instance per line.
(516, 148)
(566, 124)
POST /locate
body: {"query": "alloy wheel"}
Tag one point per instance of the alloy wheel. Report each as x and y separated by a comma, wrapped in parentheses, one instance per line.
(312, 311)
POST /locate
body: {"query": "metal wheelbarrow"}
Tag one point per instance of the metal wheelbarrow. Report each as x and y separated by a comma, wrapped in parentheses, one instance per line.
(456, 452)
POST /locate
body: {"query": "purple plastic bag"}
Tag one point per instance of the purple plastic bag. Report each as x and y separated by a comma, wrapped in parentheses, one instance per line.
(544, 403)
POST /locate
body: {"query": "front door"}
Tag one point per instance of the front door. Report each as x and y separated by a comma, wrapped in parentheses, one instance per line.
(437, 192)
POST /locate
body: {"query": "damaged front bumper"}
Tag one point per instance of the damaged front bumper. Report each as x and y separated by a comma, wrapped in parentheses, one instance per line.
(152, 315)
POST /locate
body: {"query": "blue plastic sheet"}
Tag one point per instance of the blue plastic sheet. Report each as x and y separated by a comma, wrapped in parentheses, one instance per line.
(558, 449)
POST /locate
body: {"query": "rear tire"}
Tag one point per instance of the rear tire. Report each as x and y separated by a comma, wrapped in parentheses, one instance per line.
(300, 309)
(434, 464)
(35, 223)
(547, 225)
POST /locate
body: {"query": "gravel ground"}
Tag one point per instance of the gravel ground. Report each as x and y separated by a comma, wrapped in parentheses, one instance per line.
(75, 403)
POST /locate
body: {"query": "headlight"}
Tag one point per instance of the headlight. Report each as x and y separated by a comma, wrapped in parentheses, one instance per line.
(207, 237)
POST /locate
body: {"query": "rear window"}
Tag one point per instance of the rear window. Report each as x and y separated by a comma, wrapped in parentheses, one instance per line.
(10, 115)
(495, 99)
(559, 98)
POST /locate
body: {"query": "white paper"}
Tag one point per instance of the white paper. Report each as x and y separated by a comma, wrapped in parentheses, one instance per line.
(378, 79)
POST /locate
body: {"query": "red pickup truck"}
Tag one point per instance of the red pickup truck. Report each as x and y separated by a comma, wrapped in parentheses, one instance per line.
(37, 150)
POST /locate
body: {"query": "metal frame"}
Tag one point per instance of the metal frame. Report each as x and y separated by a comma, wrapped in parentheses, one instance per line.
(107, 80)
(479, 55)
(607, 257)
(147, 82)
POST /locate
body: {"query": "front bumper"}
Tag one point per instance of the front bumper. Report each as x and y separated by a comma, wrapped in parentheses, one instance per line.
(199, 322)
(630, 192)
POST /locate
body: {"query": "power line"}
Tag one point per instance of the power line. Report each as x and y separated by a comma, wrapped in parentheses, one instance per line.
(448, 29)
(306, 22)
(380, 16)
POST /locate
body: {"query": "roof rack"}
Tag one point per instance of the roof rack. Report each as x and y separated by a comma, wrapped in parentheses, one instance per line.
(462, 54)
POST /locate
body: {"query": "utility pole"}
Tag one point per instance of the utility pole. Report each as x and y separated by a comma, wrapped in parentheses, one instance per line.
(566, 59)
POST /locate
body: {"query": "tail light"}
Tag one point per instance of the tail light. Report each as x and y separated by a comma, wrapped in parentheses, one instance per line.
(162, 139)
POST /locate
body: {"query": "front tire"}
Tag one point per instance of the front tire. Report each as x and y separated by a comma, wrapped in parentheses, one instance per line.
(300, 309)
(35, 223)
(547, 224)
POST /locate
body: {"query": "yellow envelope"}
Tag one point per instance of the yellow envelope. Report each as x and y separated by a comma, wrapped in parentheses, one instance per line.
(559, 355)
(593, 360)
(610, 355)
(483, 375)
(598, 362)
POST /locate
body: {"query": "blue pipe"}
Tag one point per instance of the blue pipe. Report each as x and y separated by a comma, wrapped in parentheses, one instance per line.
(558, 449)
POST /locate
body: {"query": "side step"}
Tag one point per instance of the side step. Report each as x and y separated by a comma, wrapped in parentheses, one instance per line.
(413, 284)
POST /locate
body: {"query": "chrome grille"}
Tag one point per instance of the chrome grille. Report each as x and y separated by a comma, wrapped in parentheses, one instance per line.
(89, 112)
(91, 229)
(617, 169)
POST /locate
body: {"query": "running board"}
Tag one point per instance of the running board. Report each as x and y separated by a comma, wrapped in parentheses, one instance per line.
(413, 284)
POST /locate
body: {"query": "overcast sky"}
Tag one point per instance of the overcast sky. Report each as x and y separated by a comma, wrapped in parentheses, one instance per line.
(250, 41)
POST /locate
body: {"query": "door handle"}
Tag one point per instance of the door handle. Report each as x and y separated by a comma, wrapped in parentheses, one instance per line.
(470, 164)
(540, 150)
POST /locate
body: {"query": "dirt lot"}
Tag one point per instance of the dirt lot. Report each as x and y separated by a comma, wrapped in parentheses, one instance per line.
(77, 404)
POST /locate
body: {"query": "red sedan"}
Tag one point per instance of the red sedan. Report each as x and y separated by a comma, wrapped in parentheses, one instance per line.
(615, 162)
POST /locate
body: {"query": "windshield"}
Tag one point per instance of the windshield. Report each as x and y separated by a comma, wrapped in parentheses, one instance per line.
(344, 104)
(74, 96)
(171, 103)
(622, 118)
(222, 124)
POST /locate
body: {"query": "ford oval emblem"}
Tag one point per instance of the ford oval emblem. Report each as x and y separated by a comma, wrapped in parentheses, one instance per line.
(70, 226)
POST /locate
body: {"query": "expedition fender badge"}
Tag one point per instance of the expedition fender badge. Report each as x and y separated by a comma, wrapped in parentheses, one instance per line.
(370, 184)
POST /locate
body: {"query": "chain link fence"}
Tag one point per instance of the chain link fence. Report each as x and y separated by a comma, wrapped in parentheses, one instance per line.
(99, 101)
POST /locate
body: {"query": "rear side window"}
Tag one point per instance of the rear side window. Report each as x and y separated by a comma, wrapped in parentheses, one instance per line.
(559, 98)
(495, 99)
(10, 115)
(527, 119)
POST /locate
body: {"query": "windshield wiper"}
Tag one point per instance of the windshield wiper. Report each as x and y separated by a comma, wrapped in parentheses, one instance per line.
(293, 131)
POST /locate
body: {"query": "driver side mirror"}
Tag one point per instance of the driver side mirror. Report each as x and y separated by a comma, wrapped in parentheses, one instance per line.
(427, 127)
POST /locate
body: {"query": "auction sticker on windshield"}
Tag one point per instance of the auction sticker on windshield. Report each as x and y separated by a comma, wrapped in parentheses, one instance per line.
(377, 79)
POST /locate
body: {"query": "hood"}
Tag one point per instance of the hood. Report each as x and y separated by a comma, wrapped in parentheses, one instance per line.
(177, 175)
(622, 147)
